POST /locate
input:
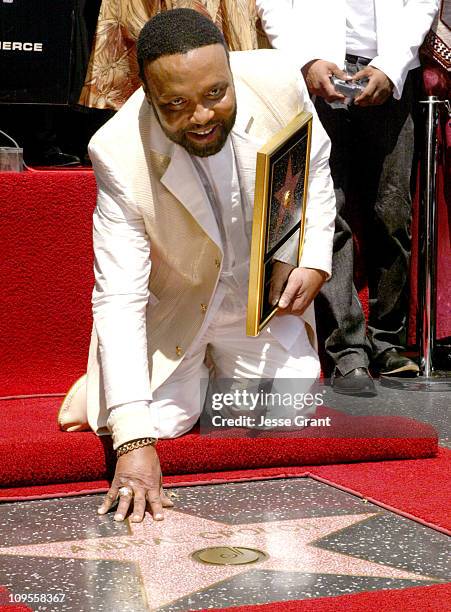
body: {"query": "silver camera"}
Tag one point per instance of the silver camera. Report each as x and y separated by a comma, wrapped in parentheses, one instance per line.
(349, 89)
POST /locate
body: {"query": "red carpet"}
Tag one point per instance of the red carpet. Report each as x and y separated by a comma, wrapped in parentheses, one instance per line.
(47, 279)
(434, 598)
(417, 488)
(7, 606)
(51, 456)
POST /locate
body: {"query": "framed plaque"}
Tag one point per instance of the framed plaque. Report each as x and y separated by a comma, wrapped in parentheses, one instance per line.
(279, 218)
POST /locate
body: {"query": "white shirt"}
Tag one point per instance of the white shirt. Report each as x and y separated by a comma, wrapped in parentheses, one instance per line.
(361, 28)
(236, 213)
(319, 29)
(282, 29)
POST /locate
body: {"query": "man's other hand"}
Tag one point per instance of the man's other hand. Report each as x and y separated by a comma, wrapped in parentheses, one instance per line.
(302, 287)
(139, 470)
(378, 90)
(317, 75)
(280, 271)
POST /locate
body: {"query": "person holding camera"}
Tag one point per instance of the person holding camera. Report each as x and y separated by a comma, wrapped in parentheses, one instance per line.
(366, 110)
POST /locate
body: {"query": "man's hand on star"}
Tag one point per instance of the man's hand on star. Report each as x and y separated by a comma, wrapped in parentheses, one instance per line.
(378, 90)
(302, 287)
(317, 75)
(139, 470)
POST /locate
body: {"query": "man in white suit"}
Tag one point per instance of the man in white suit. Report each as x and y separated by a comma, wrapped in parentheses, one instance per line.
(175, 170)
(371, 159)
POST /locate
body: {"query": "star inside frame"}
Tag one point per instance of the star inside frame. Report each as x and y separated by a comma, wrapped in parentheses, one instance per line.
(278, 228)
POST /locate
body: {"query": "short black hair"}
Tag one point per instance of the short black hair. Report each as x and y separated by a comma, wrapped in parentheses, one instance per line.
(173, 32)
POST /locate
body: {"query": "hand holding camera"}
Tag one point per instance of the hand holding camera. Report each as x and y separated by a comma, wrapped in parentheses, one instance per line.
(367, 87)
(317, 75)
(349, 89)
(379, 87)
(361, 84)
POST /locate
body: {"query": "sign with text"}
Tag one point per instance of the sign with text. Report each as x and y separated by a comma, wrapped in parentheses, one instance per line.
(36, 51)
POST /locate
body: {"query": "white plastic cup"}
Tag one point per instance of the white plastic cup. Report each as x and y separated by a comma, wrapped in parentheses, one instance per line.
(11, 159)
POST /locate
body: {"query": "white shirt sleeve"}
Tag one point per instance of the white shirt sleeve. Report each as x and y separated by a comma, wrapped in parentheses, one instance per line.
(321, 204)
(276, 17)
(132, 421)
(398, 51)
(278, 21)
(121, 293)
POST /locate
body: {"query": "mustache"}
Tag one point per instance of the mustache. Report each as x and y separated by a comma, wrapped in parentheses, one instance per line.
(204, 127)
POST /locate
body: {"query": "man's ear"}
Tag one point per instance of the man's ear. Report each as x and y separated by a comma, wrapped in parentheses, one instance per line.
(146, 93)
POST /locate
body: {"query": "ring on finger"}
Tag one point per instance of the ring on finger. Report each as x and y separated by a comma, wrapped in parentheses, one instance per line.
(125, 491)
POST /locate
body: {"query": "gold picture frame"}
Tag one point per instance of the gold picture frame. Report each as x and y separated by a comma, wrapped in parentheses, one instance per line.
(278, 228)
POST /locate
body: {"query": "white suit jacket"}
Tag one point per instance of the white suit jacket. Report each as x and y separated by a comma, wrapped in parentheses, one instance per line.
(122, 295)
(318, 31)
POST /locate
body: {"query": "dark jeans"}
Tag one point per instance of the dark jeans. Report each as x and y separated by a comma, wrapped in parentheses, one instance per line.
(371, 163)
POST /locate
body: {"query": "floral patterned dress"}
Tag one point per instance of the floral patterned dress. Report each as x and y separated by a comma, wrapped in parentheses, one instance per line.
(112, 74)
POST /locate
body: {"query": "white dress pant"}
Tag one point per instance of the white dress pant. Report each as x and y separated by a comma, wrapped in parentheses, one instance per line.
(178, 403)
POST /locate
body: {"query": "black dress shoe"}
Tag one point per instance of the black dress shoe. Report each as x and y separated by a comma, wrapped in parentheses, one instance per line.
(356, 382)
(392, 363)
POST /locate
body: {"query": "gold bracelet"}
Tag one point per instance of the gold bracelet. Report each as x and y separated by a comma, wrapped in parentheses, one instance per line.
(134, 444)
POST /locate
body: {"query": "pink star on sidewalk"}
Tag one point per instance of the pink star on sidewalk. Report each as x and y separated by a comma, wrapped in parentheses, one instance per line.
(163, 550)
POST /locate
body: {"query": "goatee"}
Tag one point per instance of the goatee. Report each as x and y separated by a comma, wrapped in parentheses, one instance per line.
(199, 150)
